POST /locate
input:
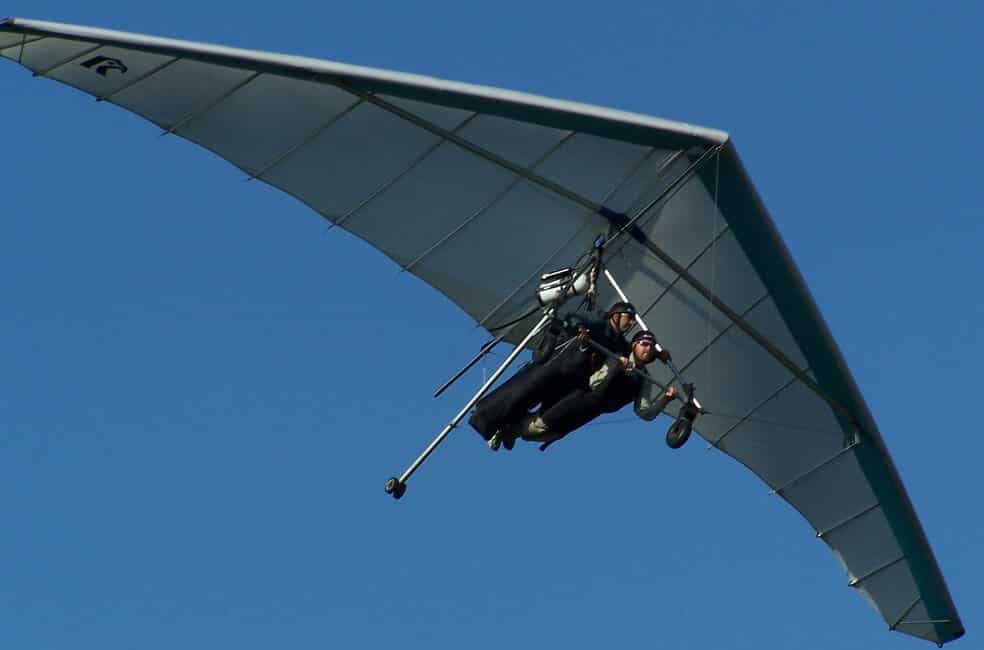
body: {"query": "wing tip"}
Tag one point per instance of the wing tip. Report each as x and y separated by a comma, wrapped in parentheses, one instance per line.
(9, 20)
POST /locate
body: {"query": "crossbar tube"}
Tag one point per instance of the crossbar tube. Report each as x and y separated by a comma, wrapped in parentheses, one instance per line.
(642, 324)
(930, 621)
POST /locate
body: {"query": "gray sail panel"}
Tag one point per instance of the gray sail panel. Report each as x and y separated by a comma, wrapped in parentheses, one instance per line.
(262, 121)
(348, 160)
(591, 166)
(891, 588)
(42, 54)
(9, 40)
(864, 543)
(784, 437)
(481, 258)
(919, 622)
(406, 221)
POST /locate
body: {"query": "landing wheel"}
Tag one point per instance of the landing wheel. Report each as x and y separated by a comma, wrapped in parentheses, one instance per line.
(679, 432)
(395, 487)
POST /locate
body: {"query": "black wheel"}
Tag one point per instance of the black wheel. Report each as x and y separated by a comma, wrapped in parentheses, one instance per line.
(679, 432)
(395, 487)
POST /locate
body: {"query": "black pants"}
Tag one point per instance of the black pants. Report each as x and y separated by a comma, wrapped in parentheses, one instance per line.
(580, 406)
(535, 384)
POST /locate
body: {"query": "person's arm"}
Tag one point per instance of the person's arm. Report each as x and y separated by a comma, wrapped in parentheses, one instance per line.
(602, 377)
(651, 400)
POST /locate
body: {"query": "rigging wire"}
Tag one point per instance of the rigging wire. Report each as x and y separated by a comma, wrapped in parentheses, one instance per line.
(714, 215)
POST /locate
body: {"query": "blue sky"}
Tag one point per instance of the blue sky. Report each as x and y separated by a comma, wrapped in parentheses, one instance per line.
(203, 391)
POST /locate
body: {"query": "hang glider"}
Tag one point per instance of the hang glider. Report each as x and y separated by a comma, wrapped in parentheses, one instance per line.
(440, 175)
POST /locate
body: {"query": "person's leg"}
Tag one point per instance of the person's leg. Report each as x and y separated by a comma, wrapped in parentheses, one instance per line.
(505, 402)
(532, 385)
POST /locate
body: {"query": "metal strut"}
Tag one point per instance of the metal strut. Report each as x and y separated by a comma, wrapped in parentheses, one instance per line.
(397, 486)
(676, 373)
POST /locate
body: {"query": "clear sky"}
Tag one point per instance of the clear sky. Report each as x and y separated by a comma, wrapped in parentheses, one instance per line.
(202, 391)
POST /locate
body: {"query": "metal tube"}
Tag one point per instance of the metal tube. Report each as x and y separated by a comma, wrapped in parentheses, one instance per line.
(625, 298)
(931, 621)
(481, 391)
(642, 324)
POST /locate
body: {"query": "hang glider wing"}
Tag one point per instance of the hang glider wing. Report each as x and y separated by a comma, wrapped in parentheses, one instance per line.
(478, 190)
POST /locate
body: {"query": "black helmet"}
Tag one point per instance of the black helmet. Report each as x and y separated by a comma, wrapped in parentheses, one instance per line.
(622, 307)
(644, 335)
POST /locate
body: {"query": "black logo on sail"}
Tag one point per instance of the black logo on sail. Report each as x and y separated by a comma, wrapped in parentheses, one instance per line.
(102, 64)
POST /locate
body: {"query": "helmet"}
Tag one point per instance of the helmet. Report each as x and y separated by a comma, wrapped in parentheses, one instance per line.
(622, 307)
(644, 335)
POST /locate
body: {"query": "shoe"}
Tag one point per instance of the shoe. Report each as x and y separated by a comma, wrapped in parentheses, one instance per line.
(479, 424)
(495, 441)
(508, 440)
